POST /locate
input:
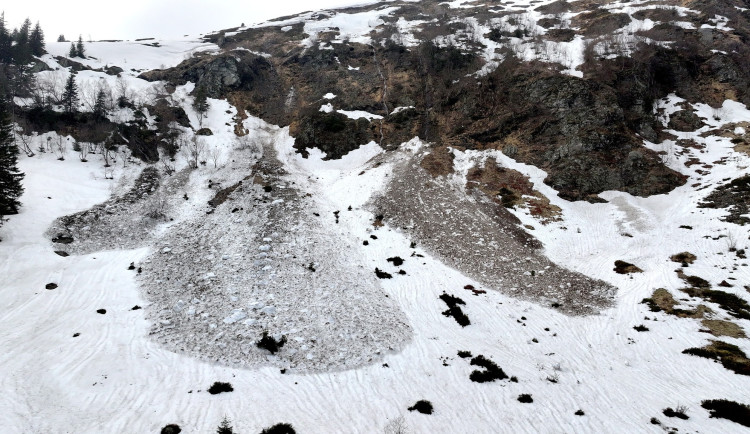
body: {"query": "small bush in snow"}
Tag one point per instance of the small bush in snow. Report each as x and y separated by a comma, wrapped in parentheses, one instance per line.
(269, 343)
(220, 387)
(171, 429)
(422, 406)
(679, 412)
(279, 428)
(525, 398)
(491, 371)
(730, 410)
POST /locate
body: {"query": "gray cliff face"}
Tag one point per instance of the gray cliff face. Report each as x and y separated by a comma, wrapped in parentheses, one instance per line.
(586, 133)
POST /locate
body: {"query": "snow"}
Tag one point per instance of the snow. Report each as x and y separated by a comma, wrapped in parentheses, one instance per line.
(133, 56)
(113, 370)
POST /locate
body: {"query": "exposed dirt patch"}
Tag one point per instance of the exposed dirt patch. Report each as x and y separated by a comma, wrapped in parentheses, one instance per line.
(511, 188)
(439, 162)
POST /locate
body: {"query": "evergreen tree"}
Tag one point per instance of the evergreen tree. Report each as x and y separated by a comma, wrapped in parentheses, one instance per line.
(200, 103)
(22, 49)
(61, 38)
(36, 41)
(225, 427)
(5, 42)
(72, 52)
(100, 107)
(70, 95)
(80, 52)
(10, 176)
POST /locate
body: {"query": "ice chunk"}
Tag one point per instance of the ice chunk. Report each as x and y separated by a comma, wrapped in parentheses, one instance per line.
(268, 310)
(237, 315)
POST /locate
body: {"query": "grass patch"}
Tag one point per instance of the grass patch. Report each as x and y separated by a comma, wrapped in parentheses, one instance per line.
(684, 258)
(662, 300)
(730, 410)
(464, 354)
(734, 305)
(490, 373)
(640, 328)
(422, 406)
(730, 356)
(220, 387)
(719, 327)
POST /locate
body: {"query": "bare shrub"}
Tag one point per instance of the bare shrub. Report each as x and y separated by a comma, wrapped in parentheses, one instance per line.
(396, 426)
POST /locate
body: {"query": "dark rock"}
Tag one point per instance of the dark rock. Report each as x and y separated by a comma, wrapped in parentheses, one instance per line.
(422, 406)
(685, 120)
(62, 253)
(101, 311)
(51, 286)
(204, 132)
(622, 267)
(220, 387)
(62, 239)
(171, 429)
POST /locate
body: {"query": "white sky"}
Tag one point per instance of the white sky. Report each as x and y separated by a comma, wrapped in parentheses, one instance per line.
(132, 19)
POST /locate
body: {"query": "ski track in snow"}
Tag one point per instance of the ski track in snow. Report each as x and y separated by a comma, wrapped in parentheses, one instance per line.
(114, 377)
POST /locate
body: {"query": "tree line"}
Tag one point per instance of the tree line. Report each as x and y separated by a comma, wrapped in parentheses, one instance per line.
(20, 45)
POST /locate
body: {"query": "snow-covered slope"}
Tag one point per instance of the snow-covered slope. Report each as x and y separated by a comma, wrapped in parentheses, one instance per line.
(296, 247)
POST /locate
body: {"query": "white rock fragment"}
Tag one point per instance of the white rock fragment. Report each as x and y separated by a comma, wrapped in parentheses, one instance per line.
(237, 315)
(257, 305)
(268, 310)
(264, 248)
(179, 306)
(166, 250)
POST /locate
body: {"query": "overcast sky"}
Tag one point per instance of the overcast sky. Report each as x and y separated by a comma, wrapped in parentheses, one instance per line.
(130, 19)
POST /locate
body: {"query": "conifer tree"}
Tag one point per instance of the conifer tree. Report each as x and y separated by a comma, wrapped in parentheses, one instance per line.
(225, 427)
(100, 106)
(61, 38)
(36, 41)
(6, 42)
(200, 103)
(70, 95)
(72, 52)
(22, 49)
(80, 51)
(10, 176)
